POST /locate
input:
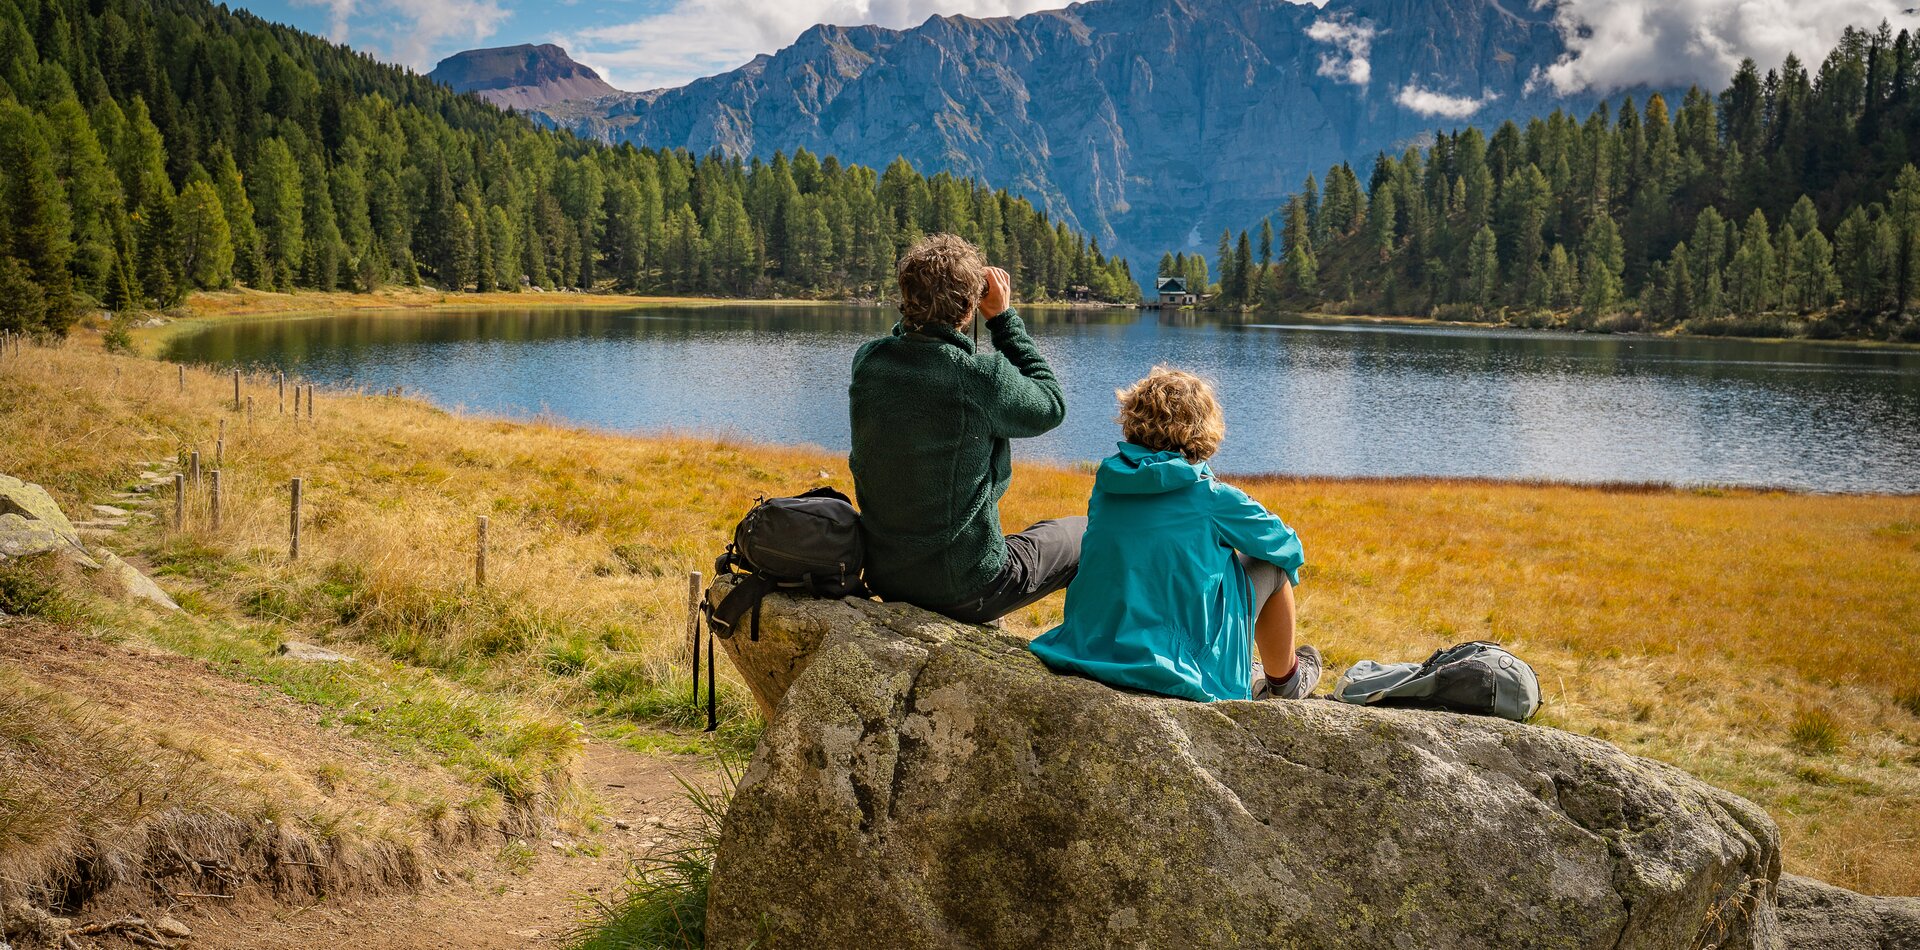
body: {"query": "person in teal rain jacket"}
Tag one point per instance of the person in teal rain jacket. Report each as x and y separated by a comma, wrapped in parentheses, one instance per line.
(1181, 574)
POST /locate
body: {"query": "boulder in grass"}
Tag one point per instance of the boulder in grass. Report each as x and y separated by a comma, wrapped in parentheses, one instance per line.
(31, 524)
(929, 784)
(1817, 916)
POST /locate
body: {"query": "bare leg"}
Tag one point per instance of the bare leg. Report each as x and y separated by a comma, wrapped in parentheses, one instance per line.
(1273, 632)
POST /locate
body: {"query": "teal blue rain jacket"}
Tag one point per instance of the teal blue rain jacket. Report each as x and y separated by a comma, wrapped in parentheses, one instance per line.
(1160, 602)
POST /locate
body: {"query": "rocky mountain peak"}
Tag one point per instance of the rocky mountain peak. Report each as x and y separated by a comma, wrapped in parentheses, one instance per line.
(521, 77)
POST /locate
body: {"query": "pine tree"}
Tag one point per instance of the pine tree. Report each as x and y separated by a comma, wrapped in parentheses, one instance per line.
(38, 230)
(202, 240)
(1751, 275)
(274, 189)
(1601, 262)
(1242, 289)
(249, 262)
(1563, 282)
(1483, 270)
(1678, 292)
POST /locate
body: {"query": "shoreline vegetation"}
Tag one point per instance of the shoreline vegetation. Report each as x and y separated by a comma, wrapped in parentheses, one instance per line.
(1763, 640)
(1787, 205)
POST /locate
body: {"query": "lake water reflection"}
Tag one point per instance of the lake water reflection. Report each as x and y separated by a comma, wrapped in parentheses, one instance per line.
(1302, 396)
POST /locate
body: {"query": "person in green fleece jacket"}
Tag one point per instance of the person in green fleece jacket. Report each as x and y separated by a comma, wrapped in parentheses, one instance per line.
(1178, 565)
(932, 419)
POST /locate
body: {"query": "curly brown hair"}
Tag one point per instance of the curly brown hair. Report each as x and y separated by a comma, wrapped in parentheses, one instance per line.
(941, 280)
(1173, 411)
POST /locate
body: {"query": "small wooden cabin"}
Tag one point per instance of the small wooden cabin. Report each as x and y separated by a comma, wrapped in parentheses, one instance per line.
(1173, 292)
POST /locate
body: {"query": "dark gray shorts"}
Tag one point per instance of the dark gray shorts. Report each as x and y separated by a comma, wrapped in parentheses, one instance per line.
(1040, 560)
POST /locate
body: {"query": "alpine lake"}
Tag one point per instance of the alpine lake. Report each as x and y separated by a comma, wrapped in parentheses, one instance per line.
(1303, 396)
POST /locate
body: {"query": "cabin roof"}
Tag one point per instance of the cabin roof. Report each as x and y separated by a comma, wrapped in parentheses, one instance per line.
(1171, 285)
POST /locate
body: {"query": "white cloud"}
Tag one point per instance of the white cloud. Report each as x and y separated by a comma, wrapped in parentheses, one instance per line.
(1617, 43)
(694, 38)
(338, 11)
(1351, 43)
(428, 24)
(1430, 103)
(416, 32)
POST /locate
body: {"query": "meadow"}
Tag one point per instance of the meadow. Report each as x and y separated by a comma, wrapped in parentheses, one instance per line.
(1768, 642)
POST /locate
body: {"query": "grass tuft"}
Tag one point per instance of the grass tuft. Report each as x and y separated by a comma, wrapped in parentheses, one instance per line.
(1815, 732)
(1909, 700)
(663, 904)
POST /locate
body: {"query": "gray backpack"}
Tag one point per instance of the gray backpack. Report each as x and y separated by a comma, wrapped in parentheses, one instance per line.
(1478, 677)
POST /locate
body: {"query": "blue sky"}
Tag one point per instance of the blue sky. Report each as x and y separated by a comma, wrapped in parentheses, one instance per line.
(647, 44)
(633, 44)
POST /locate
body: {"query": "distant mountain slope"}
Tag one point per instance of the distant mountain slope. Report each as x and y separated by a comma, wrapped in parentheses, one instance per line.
(521, 77)
(1146, 122)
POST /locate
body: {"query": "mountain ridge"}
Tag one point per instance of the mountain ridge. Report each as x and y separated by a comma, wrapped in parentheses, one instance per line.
(1148, 123)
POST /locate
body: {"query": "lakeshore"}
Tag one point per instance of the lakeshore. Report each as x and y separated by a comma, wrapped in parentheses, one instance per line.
(1767, 641)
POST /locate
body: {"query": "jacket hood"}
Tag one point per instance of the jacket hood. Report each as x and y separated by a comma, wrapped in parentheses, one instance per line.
(1134, 470)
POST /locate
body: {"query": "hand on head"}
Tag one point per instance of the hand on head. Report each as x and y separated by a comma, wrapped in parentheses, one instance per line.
(998, 296)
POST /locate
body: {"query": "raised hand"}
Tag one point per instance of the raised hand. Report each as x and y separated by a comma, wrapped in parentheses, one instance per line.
(999, 293)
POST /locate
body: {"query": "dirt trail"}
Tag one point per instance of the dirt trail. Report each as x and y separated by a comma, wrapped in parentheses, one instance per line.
(474, 897)
(477, 900)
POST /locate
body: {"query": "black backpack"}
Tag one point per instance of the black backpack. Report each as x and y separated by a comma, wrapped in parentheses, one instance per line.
(809, 543)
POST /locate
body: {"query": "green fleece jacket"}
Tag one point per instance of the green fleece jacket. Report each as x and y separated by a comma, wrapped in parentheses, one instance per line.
(931, 420)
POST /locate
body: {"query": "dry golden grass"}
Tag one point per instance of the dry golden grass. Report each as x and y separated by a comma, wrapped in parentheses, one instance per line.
(1767, 642)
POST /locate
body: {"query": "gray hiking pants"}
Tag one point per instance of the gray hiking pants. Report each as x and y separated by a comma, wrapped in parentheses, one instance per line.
(1040, 560)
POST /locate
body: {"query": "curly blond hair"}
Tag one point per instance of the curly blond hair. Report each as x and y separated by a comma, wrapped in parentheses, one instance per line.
(1173, 411)
(941, 280)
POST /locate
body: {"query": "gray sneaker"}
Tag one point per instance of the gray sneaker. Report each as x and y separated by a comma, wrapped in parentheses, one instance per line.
(1306, 675)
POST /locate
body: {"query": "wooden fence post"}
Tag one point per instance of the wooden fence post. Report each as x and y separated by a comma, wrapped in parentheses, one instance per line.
(283, 392)
(293, 525)
(480, 553)
(183, 379)
(179, 501)
(249, 411)
(193, 465)
(219, 453)
(236, 390)
(309, 402)
(213, 497)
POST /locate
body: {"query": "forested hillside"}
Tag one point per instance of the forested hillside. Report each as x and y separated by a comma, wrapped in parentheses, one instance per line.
(149, 147)
(1787, 205)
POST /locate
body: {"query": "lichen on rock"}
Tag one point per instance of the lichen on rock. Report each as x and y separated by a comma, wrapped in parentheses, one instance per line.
(929, 784)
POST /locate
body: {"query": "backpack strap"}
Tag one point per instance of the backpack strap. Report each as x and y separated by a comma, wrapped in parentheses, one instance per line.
(744, 596)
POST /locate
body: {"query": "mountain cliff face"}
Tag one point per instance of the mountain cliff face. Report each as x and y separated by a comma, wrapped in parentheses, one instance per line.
(1152, 124)
(521, 77)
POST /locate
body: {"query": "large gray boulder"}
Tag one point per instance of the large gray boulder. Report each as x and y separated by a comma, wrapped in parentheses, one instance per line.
(31, 523)
(928, 784)
(1817, 916)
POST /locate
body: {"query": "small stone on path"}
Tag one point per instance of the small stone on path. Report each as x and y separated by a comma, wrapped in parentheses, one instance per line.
(110, 511)
(172, 928)
(308, 653)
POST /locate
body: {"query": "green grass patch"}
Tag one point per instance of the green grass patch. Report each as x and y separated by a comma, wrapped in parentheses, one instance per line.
(32, 587)
(663, 904)
(484, 739)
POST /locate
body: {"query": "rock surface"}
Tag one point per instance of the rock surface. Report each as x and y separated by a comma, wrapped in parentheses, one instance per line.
(134, 584)
(521, 77)
(31, 523)
(1817, 916)
(308, 653)
(932, 782)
